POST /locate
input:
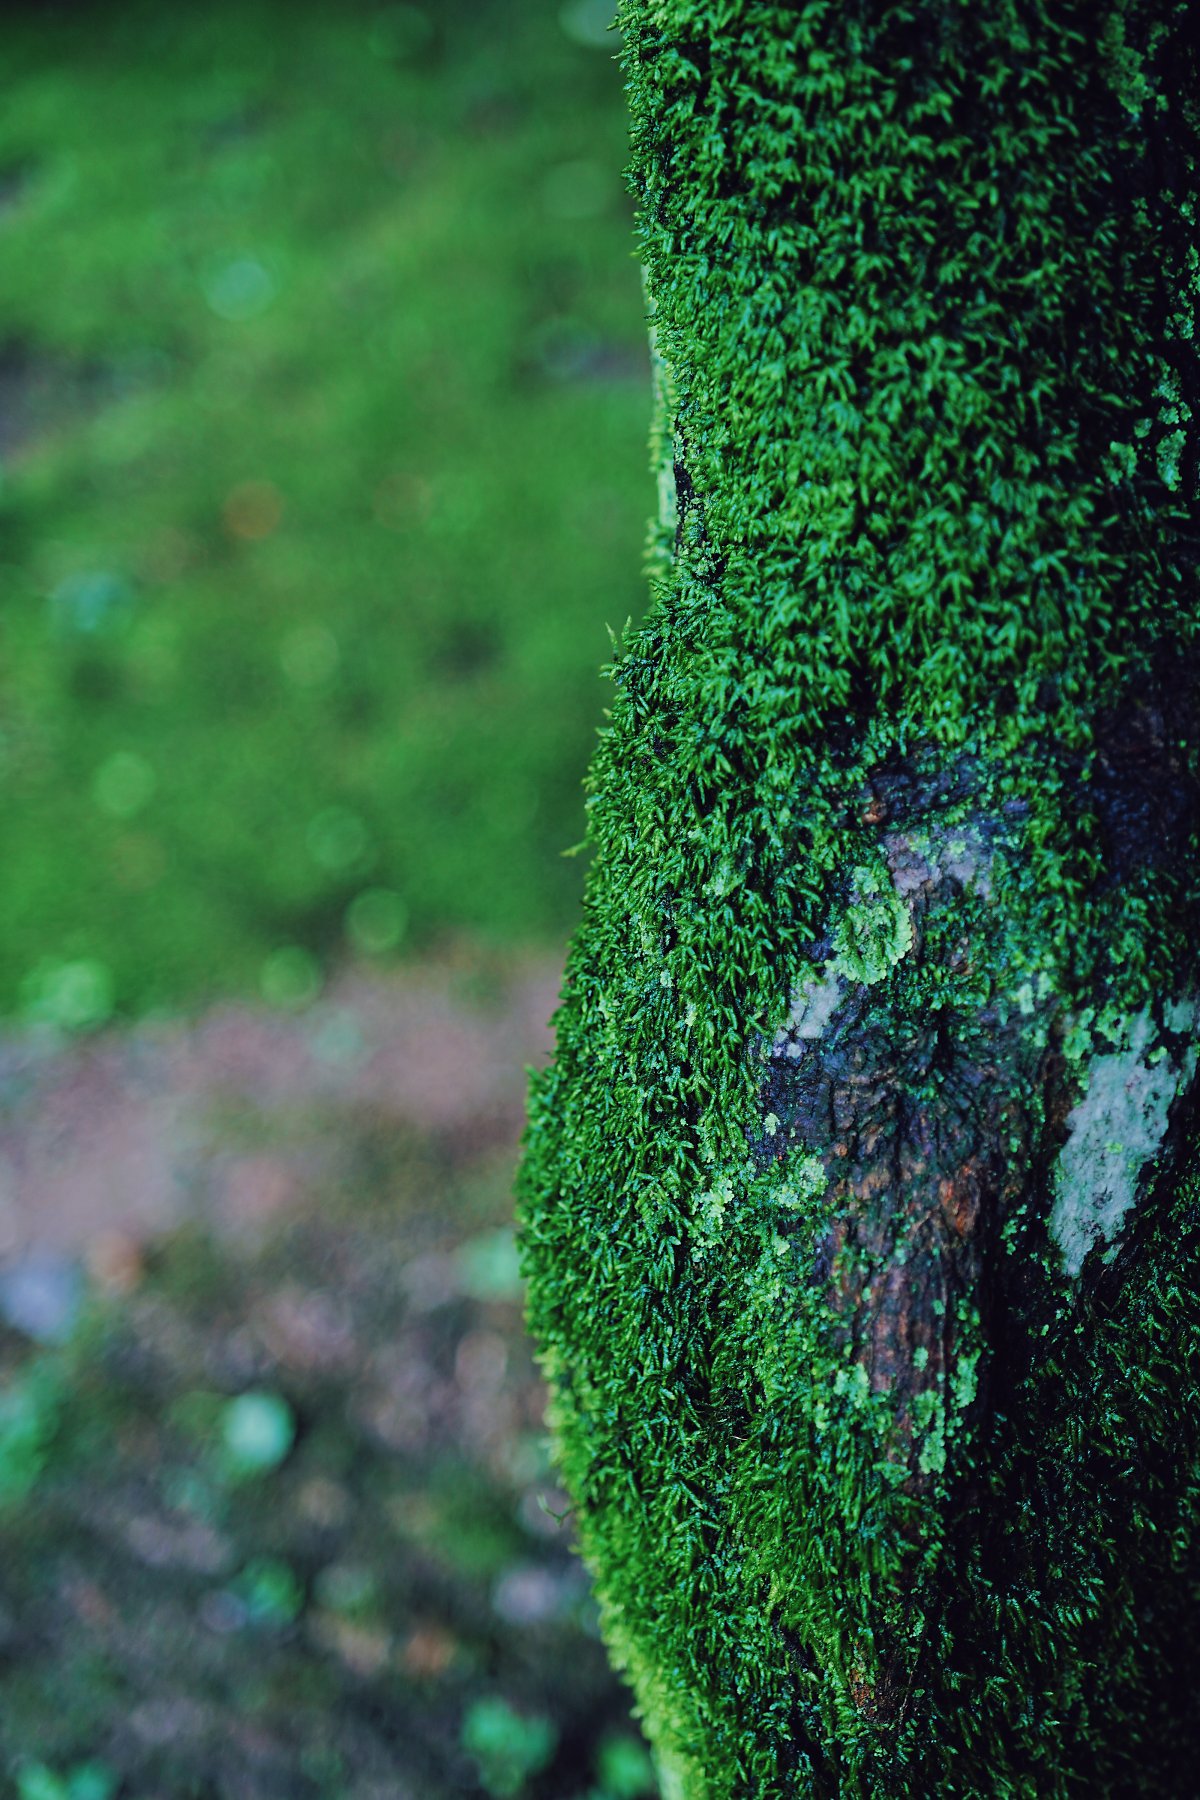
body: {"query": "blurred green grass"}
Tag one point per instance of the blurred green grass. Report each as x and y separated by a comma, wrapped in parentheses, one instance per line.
(324, 403)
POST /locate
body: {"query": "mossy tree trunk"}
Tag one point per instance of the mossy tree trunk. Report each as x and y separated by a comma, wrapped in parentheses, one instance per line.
(861, 1204)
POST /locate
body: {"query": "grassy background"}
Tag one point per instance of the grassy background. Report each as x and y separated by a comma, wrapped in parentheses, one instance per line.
(324, 399)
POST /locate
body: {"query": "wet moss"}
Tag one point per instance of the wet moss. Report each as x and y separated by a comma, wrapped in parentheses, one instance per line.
(898, 799)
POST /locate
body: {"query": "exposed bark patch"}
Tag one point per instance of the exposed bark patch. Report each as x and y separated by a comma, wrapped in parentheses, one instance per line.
(936, 1091)
(926, 1132)
(934, 1118)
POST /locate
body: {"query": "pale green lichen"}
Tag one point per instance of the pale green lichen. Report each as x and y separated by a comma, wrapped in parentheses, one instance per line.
(805, 1179)
(875, 933)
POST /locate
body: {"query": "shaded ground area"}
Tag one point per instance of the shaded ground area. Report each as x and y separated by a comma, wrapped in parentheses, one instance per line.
(276, 1504)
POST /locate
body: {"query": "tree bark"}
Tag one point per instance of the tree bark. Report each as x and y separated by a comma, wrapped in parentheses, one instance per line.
(861, 1204)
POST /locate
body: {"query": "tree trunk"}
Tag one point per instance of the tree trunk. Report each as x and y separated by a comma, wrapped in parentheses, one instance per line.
(861, 1204)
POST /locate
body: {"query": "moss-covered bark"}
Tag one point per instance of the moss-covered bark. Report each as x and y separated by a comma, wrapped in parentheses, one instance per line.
(862, 1201)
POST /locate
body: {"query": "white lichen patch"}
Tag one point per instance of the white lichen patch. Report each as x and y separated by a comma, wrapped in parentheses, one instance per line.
(1116, 1130)
(964, 857)
(871, 937)
(812, 1006)
(876, 931)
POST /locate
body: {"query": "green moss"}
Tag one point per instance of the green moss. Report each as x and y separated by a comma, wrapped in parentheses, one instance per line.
(913, 277)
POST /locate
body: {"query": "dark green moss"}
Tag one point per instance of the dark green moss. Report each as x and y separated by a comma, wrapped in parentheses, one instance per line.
(889, 1479)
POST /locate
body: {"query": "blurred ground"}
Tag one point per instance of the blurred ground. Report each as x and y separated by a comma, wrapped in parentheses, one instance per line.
(277, 1513)
(226, 1118)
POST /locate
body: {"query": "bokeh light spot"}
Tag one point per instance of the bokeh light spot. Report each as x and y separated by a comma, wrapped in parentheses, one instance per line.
(91, 601)
(123, 784)
(41, 1294)
(309, 655)
(376, 921)
(268, 1591)
(291, 976)
(590, 22)
(74, 996)
(257, 1431)
(337, 838)
(346, 1588)
(489, 1266)
(85, 1781)
(625, 1769)
(509, 1746)
(240, 290)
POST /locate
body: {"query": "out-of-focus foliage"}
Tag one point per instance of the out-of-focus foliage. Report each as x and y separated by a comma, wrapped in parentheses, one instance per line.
(323, 388)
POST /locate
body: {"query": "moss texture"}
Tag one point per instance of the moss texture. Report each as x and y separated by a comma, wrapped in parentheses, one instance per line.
(875, 1364)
